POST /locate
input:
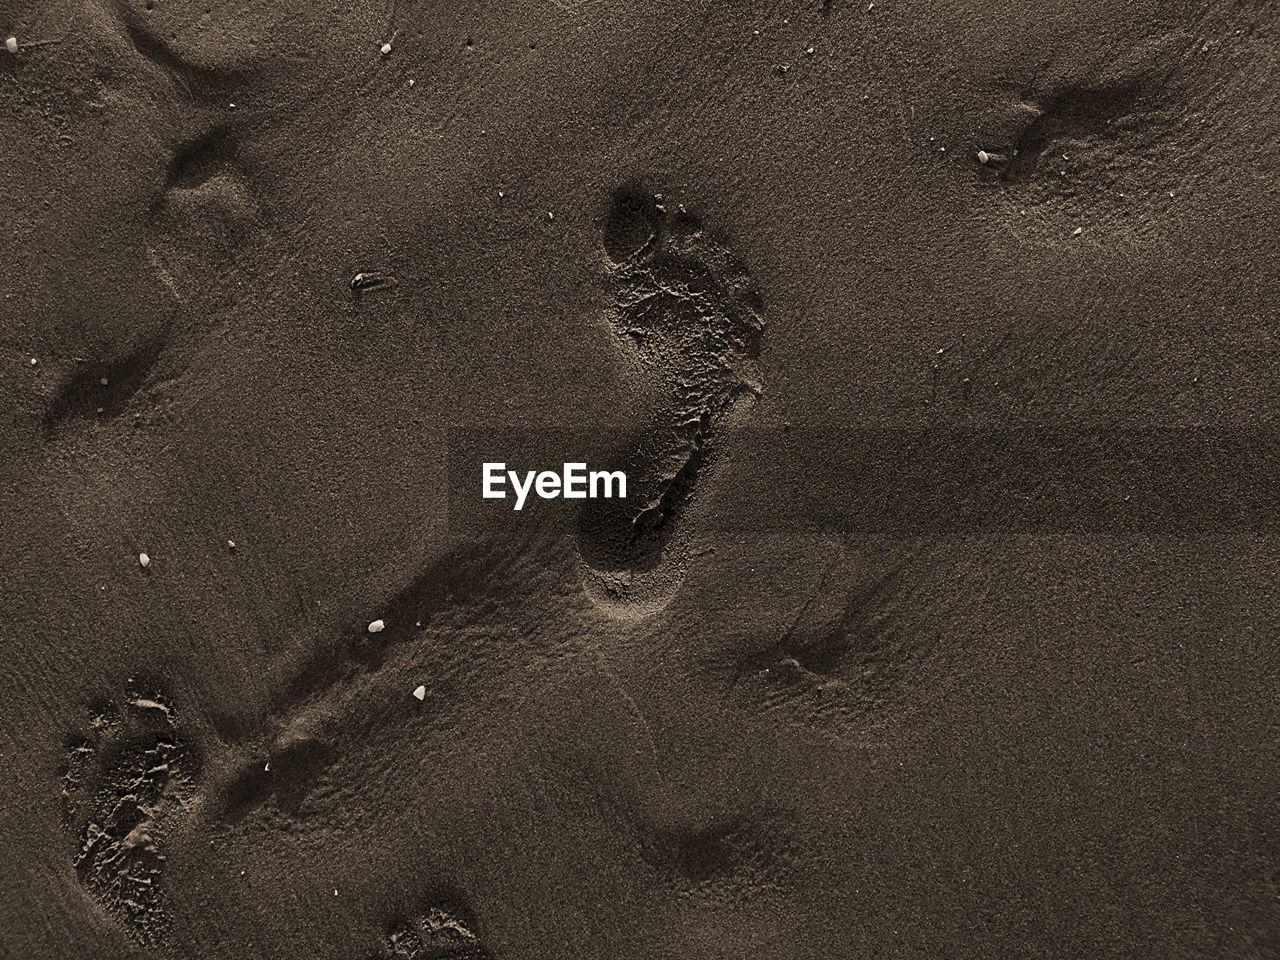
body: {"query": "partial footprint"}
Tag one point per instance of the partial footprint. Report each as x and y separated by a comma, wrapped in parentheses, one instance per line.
(197, 226)
(444, 932)
(686, 308)
(865, 651)
(1118, 150)
(729, 863)
(126, 785)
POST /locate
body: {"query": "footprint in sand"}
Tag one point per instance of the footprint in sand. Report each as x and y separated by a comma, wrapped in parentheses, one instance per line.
(127, 785)
(444, 932)
(688, 313)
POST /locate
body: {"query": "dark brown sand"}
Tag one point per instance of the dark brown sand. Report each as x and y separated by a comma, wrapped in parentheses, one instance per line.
(941, 620)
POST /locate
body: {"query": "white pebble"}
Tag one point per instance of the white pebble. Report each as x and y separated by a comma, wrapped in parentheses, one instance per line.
(377, 626)
(144, 561)
(983, 156)
(231, 544)
(386, 49)
(1077, 231)
(11, 44)
(421, 693)
(34, 361)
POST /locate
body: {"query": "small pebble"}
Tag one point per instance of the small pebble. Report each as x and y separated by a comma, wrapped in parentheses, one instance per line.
(104, 381)
(231, 544)
(1077, 231)
(421, 693)
(144, 561)
(34, 361)
(984, 157)
(377, 626)
(11, 44)
(809, 51)
(386, 52)
(411, 83)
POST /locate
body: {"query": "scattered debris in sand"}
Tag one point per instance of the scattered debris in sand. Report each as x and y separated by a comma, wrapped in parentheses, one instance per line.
(377, 626)
(11, 44)
(372, 280)
(420, 693)
(144, 561)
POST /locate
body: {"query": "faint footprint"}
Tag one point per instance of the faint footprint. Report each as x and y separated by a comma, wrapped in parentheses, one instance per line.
(864, 652)
(728, 863)
(687, 309)
(126, 785)
(445, 932)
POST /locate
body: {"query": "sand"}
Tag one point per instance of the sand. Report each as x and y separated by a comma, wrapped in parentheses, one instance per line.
(937, 341)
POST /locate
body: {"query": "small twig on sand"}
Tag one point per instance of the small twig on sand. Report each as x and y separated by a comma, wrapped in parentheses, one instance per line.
(13, 46)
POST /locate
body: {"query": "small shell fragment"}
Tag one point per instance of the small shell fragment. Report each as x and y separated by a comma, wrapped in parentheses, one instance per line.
(377, 626)
(11, 44)
(144, 561)
(421, 693)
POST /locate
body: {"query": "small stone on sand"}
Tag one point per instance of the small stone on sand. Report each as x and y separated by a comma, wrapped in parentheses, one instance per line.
(144, 561)
(11, 44)
(983, 156)
(1077, 231)
(104, 381)
(34, 361)
(421, 693)
(231, 544)
(386, 52)
(377, 626)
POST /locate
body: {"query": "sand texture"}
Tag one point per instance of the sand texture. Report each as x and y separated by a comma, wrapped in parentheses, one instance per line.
(939, 343)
